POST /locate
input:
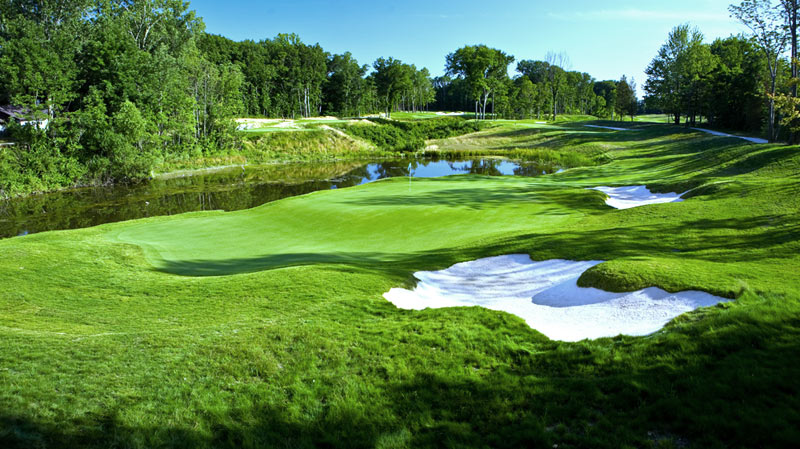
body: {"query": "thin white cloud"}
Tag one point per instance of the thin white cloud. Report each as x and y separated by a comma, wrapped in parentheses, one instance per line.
(642, 15)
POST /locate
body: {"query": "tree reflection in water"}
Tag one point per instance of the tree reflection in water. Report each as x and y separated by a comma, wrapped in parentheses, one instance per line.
(230, 189)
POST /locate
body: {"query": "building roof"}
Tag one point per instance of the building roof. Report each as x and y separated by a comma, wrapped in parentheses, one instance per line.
(7, 112)
(16, 112)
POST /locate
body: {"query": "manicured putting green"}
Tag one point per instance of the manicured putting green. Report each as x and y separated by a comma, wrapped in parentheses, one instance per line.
(388, 221)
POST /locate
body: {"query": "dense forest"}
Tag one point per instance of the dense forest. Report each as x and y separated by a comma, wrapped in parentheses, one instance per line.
(541, 88)
(119, 87)
(741, 83)
(721, 83)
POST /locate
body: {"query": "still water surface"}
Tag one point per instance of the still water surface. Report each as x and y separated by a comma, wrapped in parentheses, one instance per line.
(230, 189)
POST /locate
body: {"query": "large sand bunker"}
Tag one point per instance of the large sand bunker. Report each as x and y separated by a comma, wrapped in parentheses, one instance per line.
(546, 295)
(634, 196)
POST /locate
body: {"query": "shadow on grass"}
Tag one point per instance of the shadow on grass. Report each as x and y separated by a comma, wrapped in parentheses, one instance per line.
(563, 136)
(480, 198)
(714, 240)
(274, 261)
(727, 382)
(681, 167)
(708, 150)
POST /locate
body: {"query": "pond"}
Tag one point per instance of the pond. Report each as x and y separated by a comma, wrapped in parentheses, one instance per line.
(229, 189)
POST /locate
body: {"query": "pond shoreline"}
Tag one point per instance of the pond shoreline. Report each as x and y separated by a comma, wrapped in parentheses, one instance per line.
(199, 171)
(231, 187)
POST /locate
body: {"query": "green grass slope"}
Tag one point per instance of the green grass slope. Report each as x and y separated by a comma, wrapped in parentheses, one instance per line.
(266, 327)
(394, 219)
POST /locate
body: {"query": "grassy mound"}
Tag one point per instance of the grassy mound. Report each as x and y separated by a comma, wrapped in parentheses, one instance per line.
(309, 141)
(404, 136)
(266, 327)
(303, 145)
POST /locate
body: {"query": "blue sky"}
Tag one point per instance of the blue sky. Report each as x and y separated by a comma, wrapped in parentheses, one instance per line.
(606, 39)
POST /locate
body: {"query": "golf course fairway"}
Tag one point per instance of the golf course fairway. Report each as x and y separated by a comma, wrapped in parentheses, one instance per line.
(267, 327)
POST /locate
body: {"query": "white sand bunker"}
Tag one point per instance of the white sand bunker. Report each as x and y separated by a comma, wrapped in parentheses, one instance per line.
(546, 295)
(633, 196)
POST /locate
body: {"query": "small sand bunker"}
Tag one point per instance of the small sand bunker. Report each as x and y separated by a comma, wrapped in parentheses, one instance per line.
(243, 124)
(546, 295)
(633, 196)
(610, 127)
(246, 126)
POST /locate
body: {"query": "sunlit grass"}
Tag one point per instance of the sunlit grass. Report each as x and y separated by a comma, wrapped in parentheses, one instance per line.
(424, 115)
(275, 129)
(266, 327)
(654, 118)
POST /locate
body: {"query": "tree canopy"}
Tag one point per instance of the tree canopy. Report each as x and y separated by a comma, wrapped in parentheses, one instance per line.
(122, 86)
(484, 70)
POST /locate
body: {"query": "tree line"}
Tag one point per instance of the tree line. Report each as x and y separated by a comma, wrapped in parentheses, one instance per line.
(477, 79)
(123, 86)
(284, 77)
(742, 83)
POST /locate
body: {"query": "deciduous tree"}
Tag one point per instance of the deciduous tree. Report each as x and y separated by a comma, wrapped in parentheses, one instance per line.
(392, 78)
(769, 31)
(677, 75)
(556, 77)
(484, 69)
(626, 102)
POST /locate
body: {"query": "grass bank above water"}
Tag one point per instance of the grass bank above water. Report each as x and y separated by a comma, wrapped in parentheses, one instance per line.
(266, 327)
(262, 147)
(263, 141)
(327, 140)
